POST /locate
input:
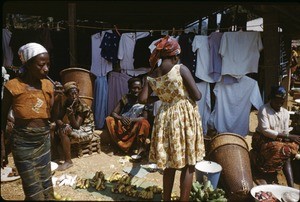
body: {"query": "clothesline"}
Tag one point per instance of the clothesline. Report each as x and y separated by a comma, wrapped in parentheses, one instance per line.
(124, 29)
(153, 30)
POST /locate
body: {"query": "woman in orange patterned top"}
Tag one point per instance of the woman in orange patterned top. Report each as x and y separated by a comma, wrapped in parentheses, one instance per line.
(31, 97)
(177, 138)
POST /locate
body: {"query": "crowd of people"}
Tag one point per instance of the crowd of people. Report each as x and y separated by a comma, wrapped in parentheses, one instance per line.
(46, 113)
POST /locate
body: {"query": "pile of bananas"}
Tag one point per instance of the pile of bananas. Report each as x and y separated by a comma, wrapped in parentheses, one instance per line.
(123, 183)
(82, 183)
(115, 177)
(204, 192)
(145, 194)
(98, 181)
(148, 192)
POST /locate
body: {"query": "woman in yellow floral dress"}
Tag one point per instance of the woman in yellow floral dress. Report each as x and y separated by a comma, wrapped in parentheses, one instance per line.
(177, 137)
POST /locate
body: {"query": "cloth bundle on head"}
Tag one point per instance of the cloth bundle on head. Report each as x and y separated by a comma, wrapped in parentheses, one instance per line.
(69, 85)
(164, 47)
(277, 91)
(30, 50)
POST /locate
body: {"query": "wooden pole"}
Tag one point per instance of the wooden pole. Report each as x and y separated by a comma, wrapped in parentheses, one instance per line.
(72, 33)
(271, 51)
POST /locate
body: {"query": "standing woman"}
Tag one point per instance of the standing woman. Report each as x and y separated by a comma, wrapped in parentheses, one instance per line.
(177, 137)
(31, 97)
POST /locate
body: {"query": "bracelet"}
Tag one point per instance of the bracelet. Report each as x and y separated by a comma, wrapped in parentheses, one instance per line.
(287, 135)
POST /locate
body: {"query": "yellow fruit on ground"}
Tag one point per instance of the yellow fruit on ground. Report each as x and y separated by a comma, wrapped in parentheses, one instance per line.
(57, 196)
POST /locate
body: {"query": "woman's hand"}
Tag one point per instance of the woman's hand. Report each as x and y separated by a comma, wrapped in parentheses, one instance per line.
(58, 88)
(69, 111)
(66, 129)
(295, 138)
(126, 121)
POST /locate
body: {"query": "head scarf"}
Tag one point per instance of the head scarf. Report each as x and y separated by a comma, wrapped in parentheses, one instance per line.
(277, 91)
(30, 50)
(69, 85)
(164, 47)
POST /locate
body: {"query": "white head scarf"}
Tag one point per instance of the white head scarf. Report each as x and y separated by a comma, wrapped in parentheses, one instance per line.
(30, 50)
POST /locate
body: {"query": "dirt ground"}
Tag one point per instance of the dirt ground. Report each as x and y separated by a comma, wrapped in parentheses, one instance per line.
(107, 162)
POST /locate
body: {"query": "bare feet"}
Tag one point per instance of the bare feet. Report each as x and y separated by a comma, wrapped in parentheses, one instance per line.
(64, 166)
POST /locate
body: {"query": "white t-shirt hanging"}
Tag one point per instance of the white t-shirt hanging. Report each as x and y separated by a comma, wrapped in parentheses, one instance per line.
(126, 48)
(240, 52)
(233, 105)
(200, 44)
(100, 66)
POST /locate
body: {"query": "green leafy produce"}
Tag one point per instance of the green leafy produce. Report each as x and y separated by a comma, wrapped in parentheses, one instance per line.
(204, 192)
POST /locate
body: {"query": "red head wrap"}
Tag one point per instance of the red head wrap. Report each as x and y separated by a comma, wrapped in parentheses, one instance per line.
(164, 47)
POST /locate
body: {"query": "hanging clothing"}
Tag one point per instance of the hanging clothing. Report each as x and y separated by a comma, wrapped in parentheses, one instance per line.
(100, 66)
(204, 105)
(177, 129)
(215, 68)
(126, 48)
(137, 72)
(187, 56)
(233, 105)
(100, 101)
(109, 47)
(7, 52)
(141, 53)
(240, 53)
(212, 24)
(200, 45)
(117, 86)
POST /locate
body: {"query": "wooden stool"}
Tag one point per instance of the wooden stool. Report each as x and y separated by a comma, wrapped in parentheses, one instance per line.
(80, 147)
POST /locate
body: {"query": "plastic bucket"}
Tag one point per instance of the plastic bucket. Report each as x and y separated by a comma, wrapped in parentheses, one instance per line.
(84, 79)
(232, 153)
(210, 169)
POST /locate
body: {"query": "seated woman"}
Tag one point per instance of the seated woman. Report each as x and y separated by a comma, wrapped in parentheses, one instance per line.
(79, 123)
(273, 146)
(128, 125)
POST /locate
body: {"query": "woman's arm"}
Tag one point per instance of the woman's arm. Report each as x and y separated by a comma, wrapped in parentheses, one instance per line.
(76, 121)
(190, 83)
(145, 93)
(5, 107)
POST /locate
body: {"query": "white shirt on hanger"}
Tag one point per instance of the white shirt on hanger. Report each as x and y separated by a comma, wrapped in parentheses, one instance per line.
(200, 44)
(126, 48)
(240, 52)
(8, 55)
(100, 66)
(233, 105)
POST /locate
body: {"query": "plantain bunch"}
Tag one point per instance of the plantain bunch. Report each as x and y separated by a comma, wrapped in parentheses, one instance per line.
(146, 194)
(123, 184)
(82, 183)
(115, 177)
(98, 181)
